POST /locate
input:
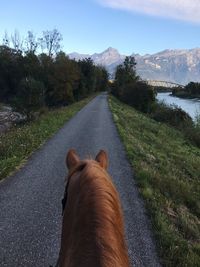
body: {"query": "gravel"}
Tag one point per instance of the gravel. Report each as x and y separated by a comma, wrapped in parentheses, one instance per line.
(30, 200)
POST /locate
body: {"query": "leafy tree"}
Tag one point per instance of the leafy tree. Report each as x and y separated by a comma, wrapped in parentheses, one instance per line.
(125, 75)
(101, 79)
(11, 71)
(129, 88)
(30, 97)
(82, 89)
(63, 79)
(193, 88)
(46, 76)
(31, 65)
(130, 67)
(139, 95)
(87, 68)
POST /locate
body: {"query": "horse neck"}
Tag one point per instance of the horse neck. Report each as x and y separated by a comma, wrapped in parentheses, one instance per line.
(93, 232)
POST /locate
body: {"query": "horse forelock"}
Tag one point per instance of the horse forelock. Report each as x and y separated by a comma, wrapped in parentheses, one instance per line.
(85, 163)
(77, 169)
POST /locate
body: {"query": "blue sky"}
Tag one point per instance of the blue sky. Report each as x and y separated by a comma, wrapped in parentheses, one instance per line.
(89, 26)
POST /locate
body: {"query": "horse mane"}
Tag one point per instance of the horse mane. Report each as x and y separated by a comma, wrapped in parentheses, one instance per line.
(93, 230)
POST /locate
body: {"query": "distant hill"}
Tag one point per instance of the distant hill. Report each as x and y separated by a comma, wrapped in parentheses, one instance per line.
(179, 66)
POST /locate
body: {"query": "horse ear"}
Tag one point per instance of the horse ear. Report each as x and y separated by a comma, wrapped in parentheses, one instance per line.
(102, 158)
(72, 159)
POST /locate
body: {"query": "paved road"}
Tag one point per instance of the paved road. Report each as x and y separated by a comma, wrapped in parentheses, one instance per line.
(30, 200)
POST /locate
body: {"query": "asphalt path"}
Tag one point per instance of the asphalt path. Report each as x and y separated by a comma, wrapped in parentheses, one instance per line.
(30, 200)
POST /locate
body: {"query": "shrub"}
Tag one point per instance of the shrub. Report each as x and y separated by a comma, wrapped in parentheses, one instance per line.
(139, 95)
(172, 115)
(30, 97)
(193, 88)
(193, 134)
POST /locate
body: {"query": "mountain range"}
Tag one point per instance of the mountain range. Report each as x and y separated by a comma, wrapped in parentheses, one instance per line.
(180, 66)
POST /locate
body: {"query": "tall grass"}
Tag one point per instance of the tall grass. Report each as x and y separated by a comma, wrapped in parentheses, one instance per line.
(167, 170)
(176, 117)
(197, 118)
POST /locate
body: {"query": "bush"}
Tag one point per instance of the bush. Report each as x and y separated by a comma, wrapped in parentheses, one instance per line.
(139, 95)
(30, 97)
(178, 118)
(193, 88)
(193, 134)
(171, 115)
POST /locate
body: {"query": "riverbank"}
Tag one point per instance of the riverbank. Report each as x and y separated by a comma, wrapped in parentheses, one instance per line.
(167, 170)
(184, 95)
(191, 106)
(190, 91)
(18, 143)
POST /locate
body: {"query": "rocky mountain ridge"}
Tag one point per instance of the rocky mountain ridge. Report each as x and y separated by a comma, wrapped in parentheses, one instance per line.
(179, 65)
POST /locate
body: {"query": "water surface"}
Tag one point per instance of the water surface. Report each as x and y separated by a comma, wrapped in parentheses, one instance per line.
(191, 106)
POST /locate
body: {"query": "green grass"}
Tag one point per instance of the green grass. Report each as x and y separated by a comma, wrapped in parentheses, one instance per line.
(17, 144)
(167, 170)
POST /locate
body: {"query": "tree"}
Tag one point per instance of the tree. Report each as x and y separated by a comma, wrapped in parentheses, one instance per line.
(101, 78)
(6, 40)
(47, 76)
(64, 77)
(140, 95)
(51, 42)
(124, 76)
(130, 66)
(193, 88)
(129, 88)
(87, 69)
(31, 66)
(17, 42)
(30, 97)
(31, 43)
(11, 72)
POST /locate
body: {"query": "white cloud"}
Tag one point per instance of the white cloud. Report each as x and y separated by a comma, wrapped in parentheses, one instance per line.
(179, 9)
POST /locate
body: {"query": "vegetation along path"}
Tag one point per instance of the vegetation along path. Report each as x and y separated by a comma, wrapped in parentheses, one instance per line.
(30, 200)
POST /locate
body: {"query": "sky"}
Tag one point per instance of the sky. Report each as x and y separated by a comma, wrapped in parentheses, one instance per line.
(91, 26)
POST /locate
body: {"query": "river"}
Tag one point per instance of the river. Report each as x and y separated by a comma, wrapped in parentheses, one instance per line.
(191, 106)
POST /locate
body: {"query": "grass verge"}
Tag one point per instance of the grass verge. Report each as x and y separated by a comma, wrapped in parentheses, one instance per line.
(17, 144)
(167, 169)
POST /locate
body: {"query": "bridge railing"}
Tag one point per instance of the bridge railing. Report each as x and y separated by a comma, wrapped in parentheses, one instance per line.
(164, 83)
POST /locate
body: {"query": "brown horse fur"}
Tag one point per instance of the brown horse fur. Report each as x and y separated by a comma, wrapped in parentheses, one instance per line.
(92, 229)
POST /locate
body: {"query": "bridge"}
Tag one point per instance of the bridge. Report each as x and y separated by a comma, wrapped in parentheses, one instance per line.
(164, 84)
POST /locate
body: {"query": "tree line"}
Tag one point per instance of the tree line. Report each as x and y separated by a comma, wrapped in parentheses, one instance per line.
(192, 89)
(35, 73)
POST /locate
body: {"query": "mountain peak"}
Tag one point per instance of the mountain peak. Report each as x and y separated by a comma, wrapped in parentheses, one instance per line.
(111, 50)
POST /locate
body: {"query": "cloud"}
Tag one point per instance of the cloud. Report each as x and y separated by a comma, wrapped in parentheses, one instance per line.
(188, 10)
